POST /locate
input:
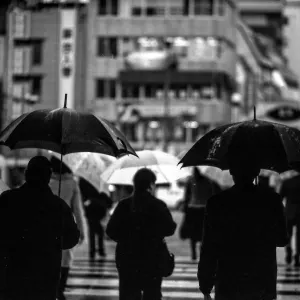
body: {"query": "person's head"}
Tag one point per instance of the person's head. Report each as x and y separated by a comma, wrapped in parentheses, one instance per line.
(38, 171)
(55, 162)
(243, 169)
(144, 180)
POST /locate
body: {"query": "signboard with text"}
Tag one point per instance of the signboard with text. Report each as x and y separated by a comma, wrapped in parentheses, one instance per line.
(67, 56)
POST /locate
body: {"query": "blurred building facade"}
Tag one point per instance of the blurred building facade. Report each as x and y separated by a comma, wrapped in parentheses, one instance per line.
(157, 64)
(270, 28)
(164, 71)
(292, 35)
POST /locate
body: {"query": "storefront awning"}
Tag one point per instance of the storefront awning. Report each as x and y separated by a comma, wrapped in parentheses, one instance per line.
(176, 77)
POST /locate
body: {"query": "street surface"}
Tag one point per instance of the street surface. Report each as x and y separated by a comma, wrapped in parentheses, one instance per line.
(99, 279)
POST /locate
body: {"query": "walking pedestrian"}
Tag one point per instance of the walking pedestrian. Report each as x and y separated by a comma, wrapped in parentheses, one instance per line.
(96, 208)
(70, 193)
(198, 190)
(138, 225)
(35, 225)
(242, 228)
(290, 191)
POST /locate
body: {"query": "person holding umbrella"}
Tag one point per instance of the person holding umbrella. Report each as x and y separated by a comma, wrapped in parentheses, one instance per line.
(198, 189)
(70, 193)
(96, 206)
(35, 227)
(242, 228)
(290, 191)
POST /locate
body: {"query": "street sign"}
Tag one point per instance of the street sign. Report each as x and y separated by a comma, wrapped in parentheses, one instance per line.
(284, 113)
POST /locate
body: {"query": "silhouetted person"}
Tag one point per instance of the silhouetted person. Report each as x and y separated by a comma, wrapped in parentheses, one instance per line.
(35, 225)
(242, 228)
(138, 225)
(70, 193)
(96, 208)
(198, 190)
(290, 191)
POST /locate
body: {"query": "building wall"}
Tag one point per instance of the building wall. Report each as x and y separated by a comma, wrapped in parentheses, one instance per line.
(292, 35)
(126, 25)
(45, 25)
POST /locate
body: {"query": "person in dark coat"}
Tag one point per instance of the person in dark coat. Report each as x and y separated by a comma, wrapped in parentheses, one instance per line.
(242, 228)
(35, 226)
(198, 190)
(96, 210)
(290, 191)
(138, 225)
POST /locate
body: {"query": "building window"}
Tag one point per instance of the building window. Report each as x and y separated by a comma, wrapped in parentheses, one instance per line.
(108, 7)
(203, 7)
(107, 47)
(36, 86)
(100, 88)
(130, 91)
(37, 54)
(106, 88)
(111, 88)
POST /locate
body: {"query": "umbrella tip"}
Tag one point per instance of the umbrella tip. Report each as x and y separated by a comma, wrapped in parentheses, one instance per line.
(65, 102)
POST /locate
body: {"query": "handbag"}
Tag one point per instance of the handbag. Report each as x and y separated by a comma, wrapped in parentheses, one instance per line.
(167, 261)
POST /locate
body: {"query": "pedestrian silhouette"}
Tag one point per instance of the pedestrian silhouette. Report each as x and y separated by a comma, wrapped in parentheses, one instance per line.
(138, 225)
(198, 190)
(290, 191)
(35, 227)
(70, 193)
(96, 208)
(242, 228)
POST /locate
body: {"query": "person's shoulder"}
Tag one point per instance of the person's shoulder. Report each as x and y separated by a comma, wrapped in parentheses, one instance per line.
(268, 194)
(124, 202)
(9, 194)
(158, 202)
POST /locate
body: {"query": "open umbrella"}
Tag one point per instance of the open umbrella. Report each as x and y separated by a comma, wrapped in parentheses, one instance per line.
(275, 146)
(3, 186)
(88, 165)
(65, 131)
(164, 165)
(222, 178)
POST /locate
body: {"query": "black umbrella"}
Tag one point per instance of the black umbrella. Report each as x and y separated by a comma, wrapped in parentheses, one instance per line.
(65, 131)
(275, 146)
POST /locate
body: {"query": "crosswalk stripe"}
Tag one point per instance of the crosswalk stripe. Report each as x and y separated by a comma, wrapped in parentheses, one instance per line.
(100, 278)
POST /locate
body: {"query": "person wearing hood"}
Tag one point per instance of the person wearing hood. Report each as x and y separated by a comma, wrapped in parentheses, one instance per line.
(35, 227)
(70, 193)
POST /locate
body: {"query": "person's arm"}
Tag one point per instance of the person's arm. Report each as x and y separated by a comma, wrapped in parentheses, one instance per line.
(168, 224)
(78, 211)
(281, 235)
(208, 255)
(282, 190)
(115, 224)
(70, 232)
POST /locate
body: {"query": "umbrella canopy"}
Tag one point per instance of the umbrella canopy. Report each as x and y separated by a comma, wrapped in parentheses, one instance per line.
(65, 131)
(88, 165)
(275, 146)
(164, 165)
(3, 186)
(223, 178)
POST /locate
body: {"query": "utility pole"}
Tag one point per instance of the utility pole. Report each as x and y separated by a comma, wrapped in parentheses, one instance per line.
(166, 110)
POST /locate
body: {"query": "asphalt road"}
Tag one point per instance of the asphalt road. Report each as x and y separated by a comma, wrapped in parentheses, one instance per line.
(99, 279)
